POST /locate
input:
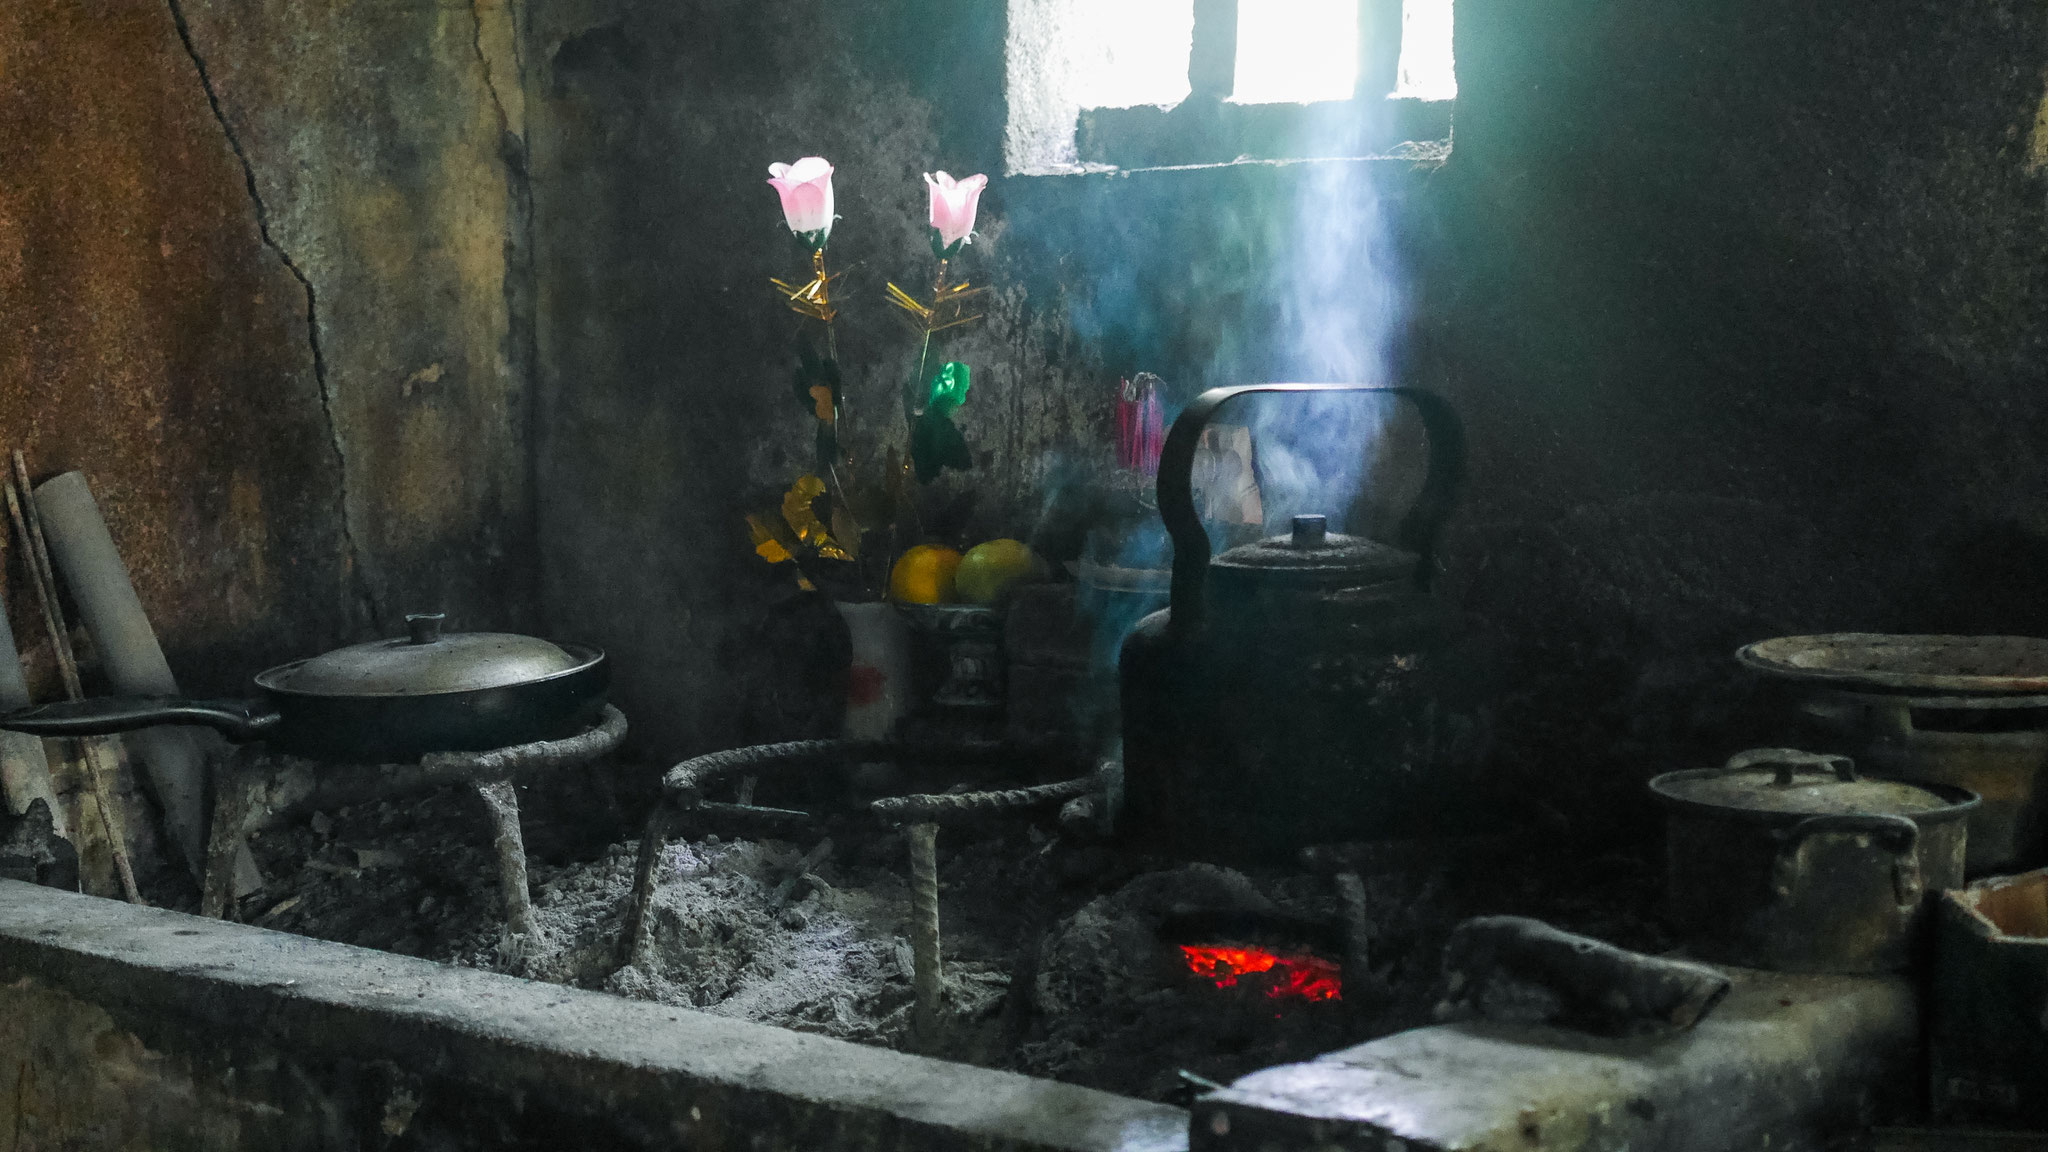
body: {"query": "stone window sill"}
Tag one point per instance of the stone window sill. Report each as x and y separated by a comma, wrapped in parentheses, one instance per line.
(1204, 133)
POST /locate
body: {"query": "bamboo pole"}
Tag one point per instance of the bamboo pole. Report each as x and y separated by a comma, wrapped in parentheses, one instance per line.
(28, 527)
(24, 768)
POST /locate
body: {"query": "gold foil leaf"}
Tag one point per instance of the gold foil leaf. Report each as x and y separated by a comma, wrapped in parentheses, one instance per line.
(847, 529)
(803, 520)
(766, 546)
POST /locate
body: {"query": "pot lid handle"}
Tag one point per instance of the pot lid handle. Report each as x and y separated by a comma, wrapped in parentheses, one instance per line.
(1419, 528)
(1786, 761)
(424, 627)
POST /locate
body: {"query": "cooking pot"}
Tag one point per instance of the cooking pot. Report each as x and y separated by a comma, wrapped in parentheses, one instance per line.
(1298, 689)
(387, 701)
(1789, 860)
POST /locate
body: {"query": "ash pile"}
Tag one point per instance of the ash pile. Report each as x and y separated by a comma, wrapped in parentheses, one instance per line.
(1079, 962)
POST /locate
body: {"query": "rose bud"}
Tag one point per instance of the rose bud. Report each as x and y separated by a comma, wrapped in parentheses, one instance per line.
(806, 191)
(953, 206)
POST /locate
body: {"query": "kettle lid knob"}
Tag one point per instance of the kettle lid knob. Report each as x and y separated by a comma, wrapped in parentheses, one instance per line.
(1310, 531)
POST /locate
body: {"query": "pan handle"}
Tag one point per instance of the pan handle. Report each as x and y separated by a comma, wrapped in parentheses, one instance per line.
(238, 720)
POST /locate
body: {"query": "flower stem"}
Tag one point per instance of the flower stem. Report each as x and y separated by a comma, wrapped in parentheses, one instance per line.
(924, 352)
(917, 381)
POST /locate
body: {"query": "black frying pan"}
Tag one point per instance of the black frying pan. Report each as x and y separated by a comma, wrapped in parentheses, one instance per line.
(386, 725)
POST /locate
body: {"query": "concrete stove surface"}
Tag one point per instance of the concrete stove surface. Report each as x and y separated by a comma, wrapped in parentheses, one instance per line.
(143, 1028)
(1786, 1062)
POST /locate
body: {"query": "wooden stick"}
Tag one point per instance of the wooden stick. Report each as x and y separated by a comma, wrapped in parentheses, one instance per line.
(234, 789)
(28, 526)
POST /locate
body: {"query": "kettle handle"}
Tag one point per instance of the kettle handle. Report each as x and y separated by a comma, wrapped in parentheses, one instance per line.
(1419, 529)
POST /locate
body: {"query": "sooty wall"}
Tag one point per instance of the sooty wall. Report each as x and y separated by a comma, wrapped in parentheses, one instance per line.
(264, 285)
(1738, 301)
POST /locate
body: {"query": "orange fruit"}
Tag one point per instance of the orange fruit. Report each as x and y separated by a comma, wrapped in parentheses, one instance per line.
(924, 575)
(988, 570)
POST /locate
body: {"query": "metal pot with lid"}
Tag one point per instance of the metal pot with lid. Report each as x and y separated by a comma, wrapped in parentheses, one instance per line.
(384, 701)
(1289, 694)
(1791, 861)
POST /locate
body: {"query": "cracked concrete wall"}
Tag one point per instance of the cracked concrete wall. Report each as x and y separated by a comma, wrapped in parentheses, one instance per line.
(154, 342)
(265, 282)
(390, 165)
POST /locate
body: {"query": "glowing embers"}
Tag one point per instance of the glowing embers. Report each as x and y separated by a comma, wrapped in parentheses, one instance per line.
(1295, 976)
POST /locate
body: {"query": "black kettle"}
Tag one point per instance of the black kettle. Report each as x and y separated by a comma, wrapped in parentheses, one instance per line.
(1291, 692)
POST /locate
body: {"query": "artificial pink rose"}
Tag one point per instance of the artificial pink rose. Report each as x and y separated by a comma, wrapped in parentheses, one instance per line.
(953, 205)
(806, 190)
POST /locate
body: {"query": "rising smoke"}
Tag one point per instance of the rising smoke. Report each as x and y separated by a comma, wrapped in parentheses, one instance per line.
(1338, 314)
(1237, 274)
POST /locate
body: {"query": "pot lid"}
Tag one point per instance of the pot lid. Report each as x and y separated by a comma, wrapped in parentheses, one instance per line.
(1786, 780)
(423, 662)
(1312, 555)
(1876, 662)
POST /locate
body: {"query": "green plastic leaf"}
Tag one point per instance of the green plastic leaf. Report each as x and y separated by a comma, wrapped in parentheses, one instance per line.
(940, 248)
(935, 445)
(827, 445)
(816, 383)
(949, 388)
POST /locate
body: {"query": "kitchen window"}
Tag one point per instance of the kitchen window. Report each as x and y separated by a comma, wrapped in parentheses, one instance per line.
(1108, 84)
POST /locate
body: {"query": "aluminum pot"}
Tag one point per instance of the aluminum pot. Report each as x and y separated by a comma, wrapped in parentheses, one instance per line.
(388, 701)
(1996, 746)
(1788, 860)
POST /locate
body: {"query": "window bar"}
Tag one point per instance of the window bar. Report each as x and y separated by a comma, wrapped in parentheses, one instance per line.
(1212, 61)
(1379, 47)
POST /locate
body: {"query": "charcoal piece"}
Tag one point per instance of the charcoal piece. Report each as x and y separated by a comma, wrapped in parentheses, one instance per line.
(31, 850)
(1358, 930)
(1512, 969)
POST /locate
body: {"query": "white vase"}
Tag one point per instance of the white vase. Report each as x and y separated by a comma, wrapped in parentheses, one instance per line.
(878, 682)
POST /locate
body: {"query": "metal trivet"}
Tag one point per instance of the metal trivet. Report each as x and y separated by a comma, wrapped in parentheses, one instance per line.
(257, 788)
(920, 815)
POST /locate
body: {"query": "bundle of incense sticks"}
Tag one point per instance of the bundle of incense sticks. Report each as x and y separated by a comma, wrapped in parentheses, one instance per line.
(1140, 424)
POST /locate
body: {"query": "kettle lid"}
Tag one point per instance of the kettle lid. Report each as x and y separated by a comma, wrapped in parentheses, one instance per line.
(1313, 556)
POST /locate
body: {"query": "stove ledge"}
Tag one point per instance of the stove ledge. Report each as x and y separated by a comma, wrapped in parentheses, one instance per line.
(141, 1028)
(1785, 1063)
